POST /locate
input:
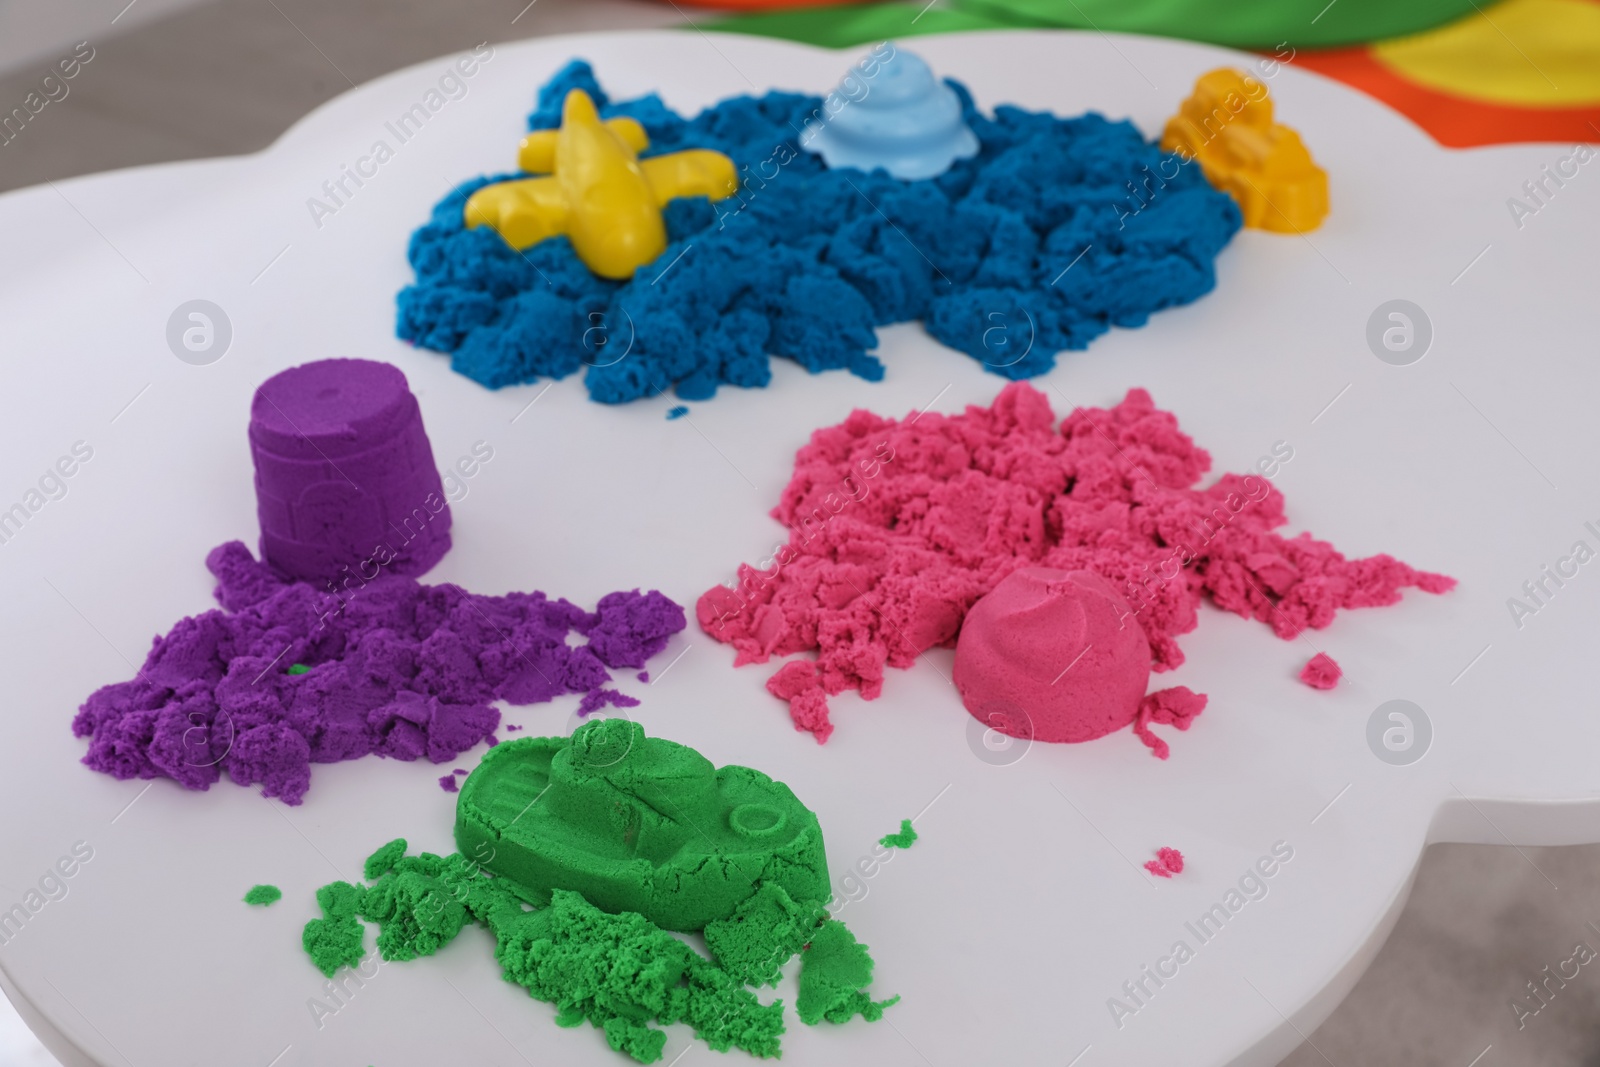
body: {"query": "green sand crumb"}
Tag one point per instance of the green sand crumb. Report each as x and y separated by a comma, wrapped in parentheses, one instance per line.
(422, 902)
(903, 839)
(623, 971)
(381, 860)
(834, 970)
(336, 939)
(620, 972)
(299, 668)
(762, 935)
(263, 895)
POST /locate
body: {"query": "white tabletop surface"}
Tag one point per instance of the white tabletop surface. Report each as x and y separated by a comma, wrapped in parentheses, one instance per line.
(1022, 909)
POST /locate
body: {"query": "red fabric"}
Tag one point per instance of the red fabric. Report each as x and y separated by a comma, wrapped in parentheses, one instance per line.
(1453, 121)
(763, 5)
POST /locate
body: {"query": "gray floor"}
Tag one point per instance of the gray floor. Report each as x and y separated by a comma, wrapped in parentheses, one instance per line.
(1481, 923)
(229, 76)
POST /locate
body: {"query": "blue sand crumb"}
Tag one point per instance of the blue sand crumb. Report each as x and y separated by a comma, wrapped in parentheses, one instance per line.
(678, 412)
(1056, 231)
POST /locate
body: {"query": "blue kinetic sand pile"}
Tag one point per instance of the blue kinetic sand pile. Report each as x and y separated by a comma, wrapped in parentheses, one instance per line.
(805, 261)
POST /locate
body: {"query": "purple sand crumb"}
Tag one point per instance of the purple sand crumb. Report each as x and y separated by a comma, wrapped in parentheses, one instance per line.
(598, 698)
(459, 770)
(493, 740)
(448, 784)
(397, 669)
(644, 676)
(633, 627)
(512, 728)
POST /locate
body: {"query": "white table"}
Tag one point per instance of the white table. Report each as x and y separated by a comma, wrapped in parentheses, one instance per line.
(1022, 909)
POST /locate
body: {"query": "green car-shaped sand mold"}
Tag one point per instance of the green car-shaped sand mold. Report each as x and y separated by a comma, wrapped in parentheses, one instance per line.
(636, 823)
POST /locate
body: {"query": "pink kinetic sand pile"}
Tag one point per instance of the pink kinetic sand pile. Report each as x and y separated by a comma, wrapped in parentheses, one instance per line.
(896, 528)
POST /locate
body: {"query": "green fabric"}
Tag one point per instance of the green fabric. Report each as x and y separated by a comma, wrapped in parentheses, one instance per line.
(1239, 23)
(1243, 23)
(845, 27)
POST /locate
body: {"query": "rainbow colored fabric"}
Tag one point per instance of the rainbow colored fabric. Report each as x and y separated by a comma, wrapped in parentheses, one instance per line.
(1468, 73)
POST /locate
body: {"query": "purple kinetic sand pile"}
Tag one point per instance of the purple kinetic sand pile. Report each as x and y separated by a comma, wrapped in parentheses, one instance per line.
(344, 472)
(396, 668)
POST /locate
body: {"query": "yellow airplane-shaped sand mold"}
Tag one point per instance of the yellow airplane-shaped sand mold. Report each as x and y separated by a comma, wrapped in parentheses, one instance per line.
(598, 191)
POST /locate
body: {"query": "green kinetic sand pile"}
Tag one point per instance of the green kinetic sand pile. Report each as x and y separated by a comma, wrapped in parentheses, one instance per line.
(585, 852)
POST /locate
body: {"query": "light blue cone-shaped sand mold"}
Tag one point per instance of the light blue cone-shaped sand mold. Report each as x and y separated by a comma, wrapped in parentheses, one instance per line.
(900, 118)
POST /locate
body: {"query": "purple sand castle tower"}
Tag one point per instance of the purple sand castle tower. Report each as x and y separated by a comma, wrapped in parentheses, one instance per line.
(344, 473)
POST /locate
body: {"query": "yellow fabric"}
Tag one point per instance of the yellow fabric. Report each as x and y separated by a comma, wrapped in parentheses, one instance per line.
(1530, 53)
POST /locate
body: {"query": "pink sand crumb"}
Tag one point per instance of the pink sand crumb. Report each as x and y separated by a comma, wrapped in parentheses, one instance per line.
(797, 682)
(1168, 862)
(1177, 706)
(1321, 672)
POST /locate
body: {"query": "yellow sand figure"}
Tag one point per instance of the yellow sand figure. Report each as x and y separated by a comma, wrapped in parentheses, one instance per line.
(1227, 127)
(599, 192)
